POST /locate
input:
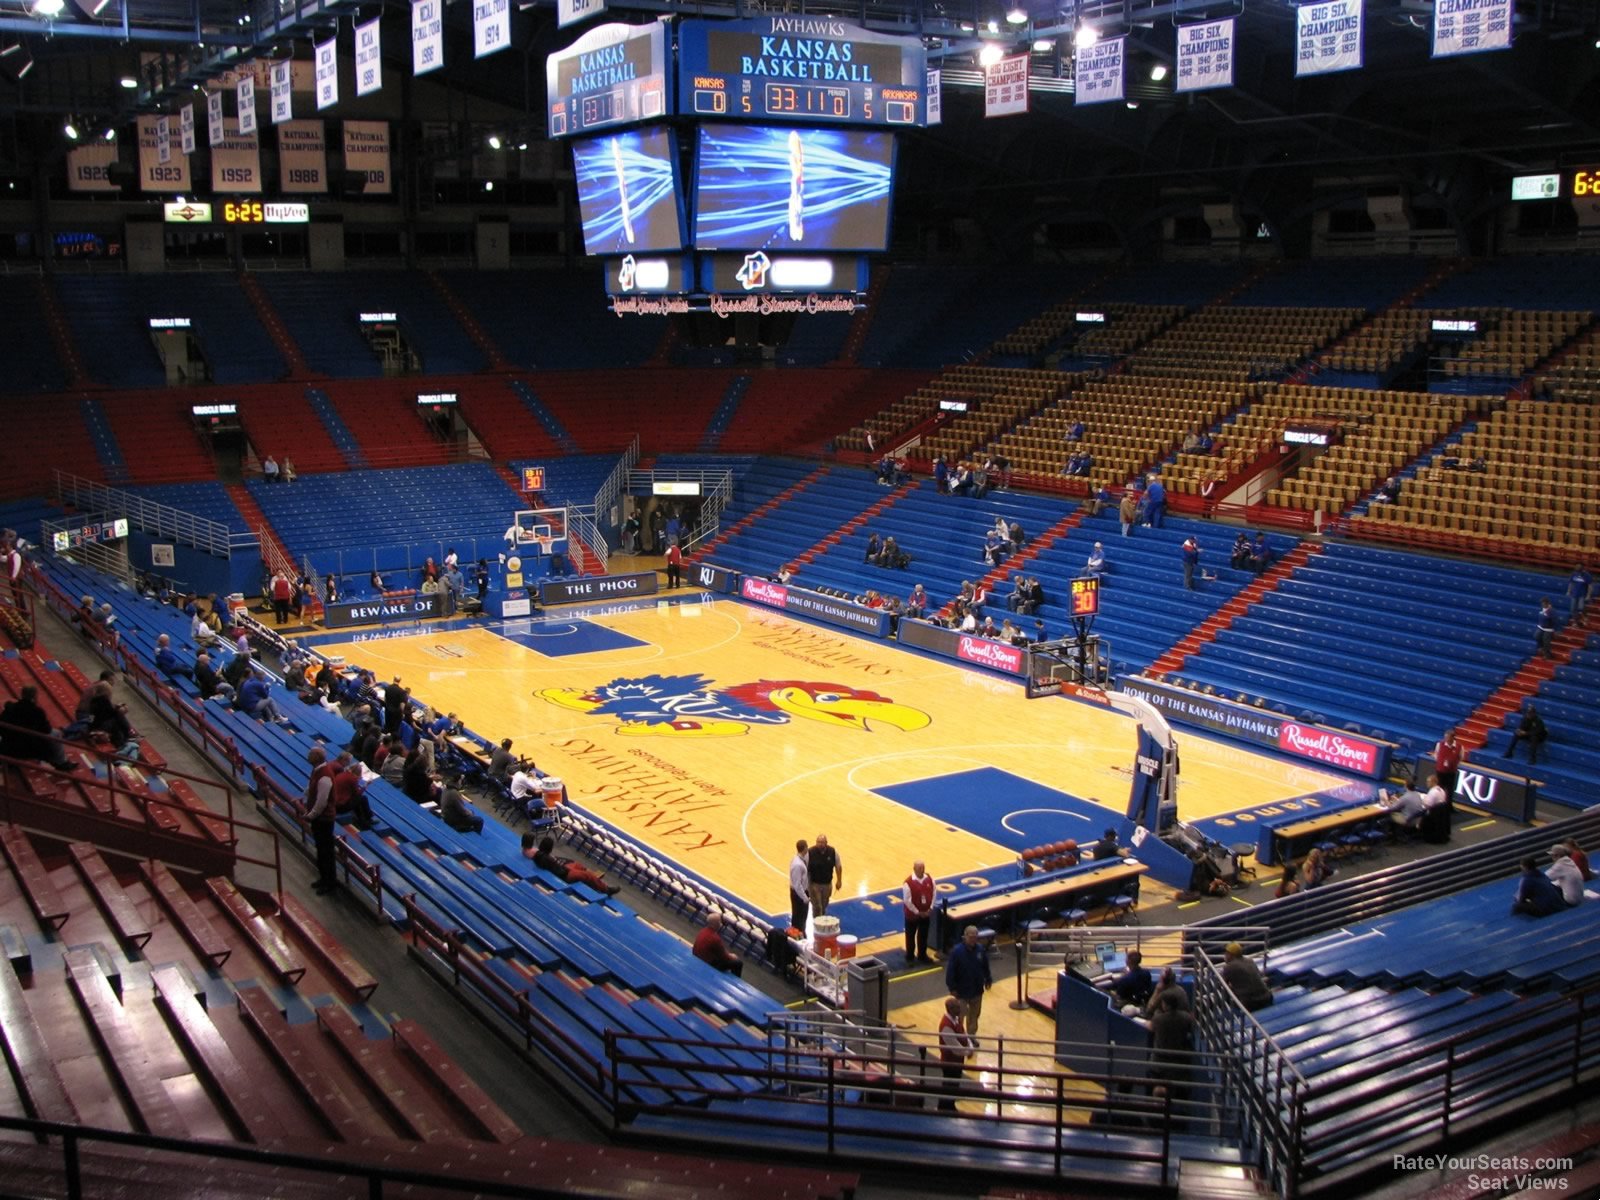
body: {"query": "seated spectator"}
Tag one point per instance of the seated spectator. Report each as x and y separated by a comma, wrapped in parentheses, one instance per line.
(1389, 493)
(1315, 871)
(1011, 634)
(989, 629)
(1191, 443)
(1288, 885)
(961, 480)
(500, 761)
(1168, 988)
(208, 680)
(525, 787)
(26, 732)
(1035, 596)
(785, 574)
(167, 661)
(1096, 563)
(287, 474)
(545, 858)
(294, 672)
(917, 602)
(1101, 500)
(1239, 558)
(1260, 554)
(378, 586)
(885, 470)
(1244, 979)
(983, 480)
(994, 549)
(874, 545)
(255, 698)
(1133, 987)
(902, 470)
(457, 813)
(1075, 432)
(392, 769)
(110, 720)
(85, 616)
(1564, 873)
(1536, 896)
(1016, 536)
(1018, 596)
(350, 790)
(1405, 808)
(237, 670)
(269, 470)
(710, 948)
(891, 555)
(1530, 728)
(1579, 858)
(969, 620)
(1107, 846)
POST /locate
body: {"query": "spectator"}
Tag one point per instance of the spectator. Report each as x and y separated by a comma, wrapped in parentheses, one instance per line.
(330, 589)
(916, 899)
(709, 947)
(1315, 871)
(200, 633)
(874, 545)
(1405, 808)
(1447, 762)
(1564, 873)
(799, 887)
(1579, 590)
(255, 698)
(956, 1047)
(1128, 511)
(1389, 493)
(282, 592)
(1288, 885)
(457, 813)
(674, 565)
(1244, 979)
(1536, 896)
(1545, 628)
(500, 762)
(269, 470)
(1239, 557)
(349, 792)
(208, 680)
(1579, 858)
(320, 816)
(825, 872)
(376, 583)
(1208, 496)
(1260, 554)
(917, 602)
(1107, 846)
(287, 474)
(1133, 987)
(168, 663)
(27, 731)
(1168, 986)
(545, 858)
(110, 719)
(1191, 561)
(1075, 432)
(1531, 729)
(1096, 562)
(1155, 503)
(967, 976)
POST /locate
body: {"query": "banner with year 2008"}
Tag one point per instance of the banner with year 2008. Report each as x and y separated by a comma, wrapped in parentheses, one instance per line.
(366, 149)
(1328, 37)
(1205, 56)
(1470, 26)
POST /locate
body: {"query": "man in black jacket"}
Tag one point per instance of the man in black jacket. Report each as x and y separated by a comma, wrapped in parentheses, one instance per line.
(27, 731)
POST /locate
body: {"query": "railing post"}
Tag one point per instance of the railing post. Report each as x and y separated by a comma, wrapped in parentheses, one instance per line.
(374, 1187)
(1061, 1118)
(69, 1165)
(832, 1062)
(1449, 1085)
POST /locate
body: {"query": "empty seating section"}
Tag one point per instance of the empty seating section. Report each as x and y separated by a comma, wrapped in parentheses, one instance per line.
(1367, 283)
(1129, 423)
(997, 399)
(1538, 491)
(40, 438)
(1381, 345)
(25, 338)
(668, 408)
(817, 339)
(1189, 284)
(1379, 433)
(1553, 282)
(208, 500)
(392, 519)
(158, 436)
(927, 316)
(108, 316)
(384, 418)
(1569, 703)
(505, 425)
(1509, 344)
(429, 325)
(281, 422)
(1575, 374)
(1449, 635)
(323, 321)
(780, 406)
(555, 319)
(1228, 343)
(759, 536)
(1124, 327)
(236, 345)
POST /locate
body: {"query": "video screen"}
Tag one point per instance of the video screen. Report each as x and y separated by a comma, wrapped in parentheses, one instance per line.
(628, 194)
(760, 187)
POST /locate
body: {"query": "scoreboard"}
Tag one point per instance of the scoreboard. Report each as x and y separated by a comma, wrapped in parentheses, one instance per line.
(612, 75)
(816, 70)
(1085, 600)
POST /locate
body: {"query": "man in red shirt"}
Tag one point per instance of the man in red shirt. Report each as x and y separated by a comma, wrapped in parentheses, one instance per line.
(282, 593)
(916, 897)
(1447, 762)
(711, 949)
(956, 1046)
(674, 565)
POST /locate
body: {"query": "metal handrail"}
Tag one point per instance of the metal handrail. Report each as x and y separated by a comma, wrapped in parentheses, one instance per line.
(160, 519)
(610, 491)
(716, 493)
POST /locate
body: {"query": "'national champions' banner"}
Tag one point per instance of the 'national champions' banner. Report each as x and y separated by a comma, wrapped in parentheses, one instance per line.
(1097, 72)
(1470, 26)
(88, 168)
(1205, 56)
(366, 149)
(302, 157)
(155, 175)
(1005, 86)
(1328, 37)
(236, 161)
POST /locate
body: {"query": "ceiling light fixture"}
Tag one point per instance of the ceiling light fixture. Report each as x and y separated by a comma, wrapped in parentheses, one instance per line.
(989, 55)
(1043, 46)
(128, 83)
(494, 141)
(1017, 16)
(1133, 104)
(110, 134)
(1158, 72)
(1086, 36)
(48, 8)
(70, 130)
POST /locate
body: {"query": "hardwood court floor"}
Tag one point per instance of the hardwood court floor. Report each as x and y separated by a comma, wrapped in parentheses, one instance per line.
(729, 731)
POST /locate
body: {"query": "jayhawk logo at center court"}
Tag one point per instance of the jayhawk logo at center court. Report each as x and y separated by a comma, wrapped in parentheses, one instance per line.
(691, 706)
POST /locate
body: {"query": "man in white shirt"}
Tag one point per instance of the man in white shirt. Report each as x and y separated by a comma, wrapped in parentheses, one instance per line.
(799, 887)
(1564, 873)
(525, 783)
(1097, 561)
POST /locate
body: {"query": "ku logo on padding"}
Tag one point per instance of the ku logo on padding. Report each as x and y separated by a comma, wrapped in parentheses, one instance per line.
(753, 275)
(690, 706)
(625, 274)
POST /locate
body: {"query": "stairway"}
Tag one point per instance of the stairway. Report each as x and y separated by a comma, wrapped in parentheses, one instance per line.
(723, 417)
(105, 441)
(273, 552)
(274, 325)
(1208, 629)
(856, 522)
(61, 335)
(861, 323)
(1035, 547)
(322, 404)
(754, 514)
(1509, 696)
(530, 401)
(480, 337)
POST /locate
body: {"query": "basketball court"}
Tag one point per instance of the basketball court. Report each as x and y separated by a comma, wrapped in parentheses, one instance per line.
(718, 733)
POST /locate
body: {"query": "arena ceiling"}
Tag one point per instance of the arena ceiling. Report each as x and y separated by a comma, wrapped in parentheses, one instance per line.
(1453, 129)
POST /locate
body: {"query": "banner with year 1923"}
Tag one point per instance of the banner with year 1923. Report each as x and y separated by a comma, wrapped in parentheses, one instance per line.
(1470, 26)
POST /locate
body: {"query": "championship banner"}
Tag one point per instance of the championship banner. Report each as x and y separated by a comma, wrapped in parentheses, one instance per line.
(1005, 87)
(1328, 37)
(214, 126)
(247, 105)
(491, 26)
(369, 57)
(935, 98)
(186, 129)
(427, 36)
(1470, 26)
(236, 161)
(366, 149)
(163, 141)
(570, 12)
(1097, 72)
(282, 84)
(1205, 56)
(155, 175)
(302, 157)
(328, 73)
(88, 167)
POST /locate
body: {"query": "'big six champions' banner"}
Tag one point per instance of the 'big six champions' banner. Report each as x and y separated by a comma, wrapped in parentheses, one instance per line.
(1205, 56)
(1470, 26)
(1097, 72)
(1328, 37)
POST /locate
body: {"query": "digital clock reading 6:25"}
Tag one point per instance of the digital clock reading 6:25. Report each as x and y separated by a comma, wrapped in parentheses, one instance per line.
(1586, 182)
(255, 212)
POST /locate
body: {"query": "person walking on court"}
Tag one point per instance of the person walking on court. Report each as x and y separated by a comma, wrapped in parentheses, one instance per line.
(916, 897)
(824, 873)
(967, 976)
(674, 565)
(799, 887)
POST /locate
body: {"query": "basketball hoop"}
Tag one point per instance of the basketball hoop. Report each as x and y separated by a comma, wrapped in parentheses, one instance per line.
(544, 544)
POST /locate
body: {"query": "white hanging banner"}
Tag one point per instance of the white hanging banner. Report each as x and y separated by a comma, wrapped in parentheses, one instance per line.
(427, 36)
(366, 149)
(491, 26)
(155, 173)
(1097, 72)
(236, 161)
(163, 141)
(328, 73)
(1470, 26)
(302, 157)
(1005, 87)
(282, 86)
(369, 57)
(1328, 37)
(570, 12)
(935, 98)
(186, 129)
(89, 168)
(247, 105)
(1205, 56)
(214, 129)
